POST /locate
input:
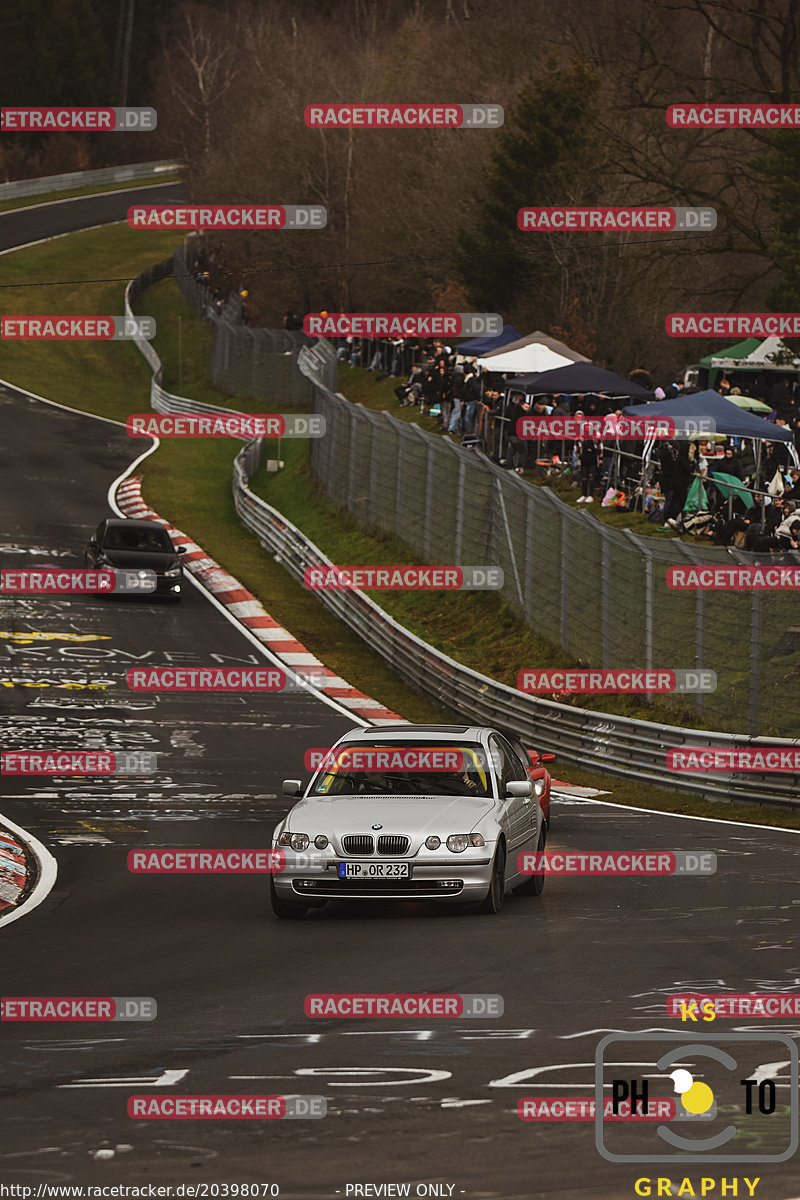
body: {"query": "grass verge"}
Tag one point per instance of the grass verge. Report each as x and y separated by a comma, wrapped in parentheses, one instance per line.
(189, 481)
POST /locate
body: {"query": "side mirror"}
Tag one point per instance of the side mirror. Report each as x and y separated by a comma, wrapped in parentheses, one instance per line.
(519, 788)
(547, 757)
(181, 550)
(292, 787)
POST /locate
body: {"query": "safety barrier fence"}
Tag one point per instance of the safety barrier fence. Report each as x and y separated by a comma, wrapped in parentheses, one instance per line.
(133, 172)
(597, 591)
(613, 744)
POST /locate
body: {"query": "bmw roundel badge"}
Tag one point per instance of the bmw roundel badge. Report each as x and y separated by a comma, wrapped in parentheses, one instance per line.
(377, 827)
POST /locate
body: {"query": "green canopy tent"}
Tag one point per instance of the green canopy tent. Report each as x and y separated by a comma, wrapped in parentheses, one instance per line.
(750, 357)
(749, 403)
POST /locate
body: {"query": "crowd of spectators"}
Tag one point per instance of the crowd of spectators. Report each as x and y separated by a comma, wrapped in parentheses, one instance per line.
(483, 410)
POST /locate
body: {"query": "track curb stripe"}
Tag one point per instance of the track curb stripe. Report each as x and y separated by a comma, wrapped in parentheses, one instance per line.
(248, 610)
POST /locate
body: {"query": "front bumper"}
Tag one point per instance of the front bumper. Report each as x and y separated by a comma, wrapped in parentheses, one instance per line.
(457, 878)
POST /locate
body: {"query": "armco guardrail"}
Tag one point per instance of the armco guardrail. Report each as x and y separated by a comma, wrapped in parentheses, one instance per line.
(612, 744)
(161, 400)
(77, 179)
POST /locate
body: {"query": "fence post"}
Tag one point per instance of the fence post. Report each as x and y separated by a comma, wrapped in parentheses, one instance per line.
(529, 553)
(755, 662)
(462, 475)
(564, 580)
(352, 466)
(605, 591)
(699, 641)
(398, 504)
(373, 469)
(430, 473)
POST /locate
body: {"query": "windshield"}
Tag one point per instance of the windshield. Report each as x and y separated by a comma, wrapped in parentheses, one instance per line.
(154, 540)
(419, 769)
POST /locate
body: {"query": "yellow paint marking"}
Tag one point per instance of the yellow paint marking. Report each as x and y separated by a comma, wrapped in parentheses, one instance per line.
(26, 637)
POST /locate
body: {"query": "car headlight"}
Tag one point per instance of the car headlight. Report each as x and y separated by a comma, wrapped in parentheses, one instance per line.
(297, 841)
(538, 787)
(172, 573)
(459, 841)
(320, 841)
(433, 842)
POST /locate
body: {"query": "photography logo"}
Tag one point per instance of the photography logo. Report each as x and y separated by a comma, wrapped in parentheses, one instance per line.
(727, 1097)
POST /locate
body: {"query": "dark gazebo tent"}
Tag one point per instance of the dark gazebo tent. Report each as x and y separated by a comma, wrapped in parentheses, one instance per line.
(576, 377)
(487, 345)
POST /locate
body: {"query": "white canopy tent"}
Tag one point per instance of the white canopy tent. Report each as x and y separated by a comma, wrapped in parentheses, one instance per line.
(535, 353)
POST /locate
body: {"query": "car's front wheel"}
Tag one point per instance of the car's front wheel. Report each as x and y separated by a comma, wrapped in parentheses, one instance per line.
(285, 909)
(497, 888)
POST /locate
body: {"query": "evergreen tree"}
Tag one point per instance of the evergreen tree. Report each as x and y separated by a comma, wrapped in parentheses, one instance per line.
(546, 154)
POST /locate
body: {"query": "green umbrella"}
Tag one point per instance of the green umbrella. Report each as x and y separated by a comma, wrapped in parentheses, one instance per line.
(696, 500)
(731, 483)
(750, 403)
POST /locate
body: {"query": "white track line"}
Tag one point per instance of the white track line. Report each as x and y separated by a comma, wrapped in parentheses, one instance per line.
(53, 238)
(657, 812)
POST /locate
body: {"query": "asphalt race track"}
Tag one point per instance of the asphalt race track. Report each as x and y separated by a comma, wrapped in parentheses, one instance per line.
(38, 221)
(431, 1101)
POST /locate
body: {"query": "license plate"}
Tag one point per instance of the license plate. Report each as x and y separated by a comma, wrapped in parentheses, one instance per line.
(374, 870)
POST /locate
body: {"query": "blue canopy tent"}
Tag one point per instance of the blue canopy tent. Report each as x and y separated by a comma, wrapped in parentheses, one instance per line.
(729, 420)
(486, 345)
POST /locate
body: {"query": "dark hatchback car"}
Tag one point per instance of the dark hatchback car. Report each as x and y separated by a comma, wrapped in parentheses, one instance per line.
(136, 545)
